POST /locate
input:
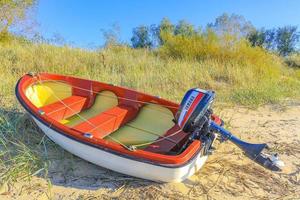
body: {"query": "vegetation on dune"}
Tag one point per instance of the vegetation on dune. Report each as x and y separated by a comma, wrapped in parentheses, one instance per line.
(245, 65)
(239, 73)
(12, 14)
(165, 60)
(258, 78)
(293, 60)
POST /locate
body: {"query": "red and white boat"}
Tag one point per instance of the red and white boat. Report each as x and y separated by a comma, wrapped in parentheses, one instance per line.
(119, 128)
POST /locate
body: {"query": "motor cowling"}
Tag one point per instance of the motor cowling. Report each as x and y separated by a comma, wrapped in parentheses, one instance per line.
(193, 107)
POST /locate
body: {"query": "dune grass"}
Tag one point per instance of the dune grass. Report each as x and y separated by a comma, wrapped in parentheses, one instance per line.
(293, 60)
(251, 80)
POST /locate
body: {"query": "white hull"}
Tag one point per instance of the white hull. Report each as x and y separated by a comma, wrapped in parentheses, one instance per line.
(121, 164)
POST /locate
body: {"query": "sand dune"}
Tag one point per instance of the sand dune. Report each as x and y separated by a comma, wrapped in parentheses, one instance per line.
(227, 174)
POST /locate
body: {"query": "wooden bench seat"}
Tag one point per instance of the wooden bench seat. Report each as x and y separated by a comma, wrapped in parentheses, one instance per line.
(65, 108)
(107, 121)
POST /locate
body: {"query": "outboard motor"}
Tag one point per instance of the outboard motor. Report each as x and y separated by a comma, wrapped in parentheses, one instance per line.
(194, 117)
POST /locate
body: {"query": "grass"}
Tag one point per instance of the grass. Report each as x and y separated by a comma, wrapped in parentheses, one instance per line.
(293, 60)
(17, 158)
(253, 81)
(243, 75)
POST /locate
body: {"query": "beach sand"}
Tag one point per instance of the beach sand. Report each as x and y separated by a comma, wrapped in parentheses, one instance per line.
(228, 174)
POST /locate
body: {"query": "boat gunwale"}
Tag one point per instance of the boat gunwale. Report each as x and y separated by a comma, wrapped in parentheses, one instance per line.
(173, 161)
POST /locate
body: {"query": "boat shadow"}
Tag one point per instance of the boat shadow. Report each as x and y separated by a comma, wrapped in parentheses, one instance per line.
(53, 163)
(72, 171)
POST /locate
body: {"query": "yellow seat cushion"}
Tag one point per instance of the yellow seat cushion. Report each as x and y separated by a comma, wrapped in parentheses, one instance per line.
(47, 92)
(103, 101)
(151, 122)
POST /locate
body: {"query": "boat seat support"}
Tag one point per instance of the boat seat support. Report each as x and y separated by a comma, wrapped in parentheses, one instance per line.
(64, 108)
(107, 122)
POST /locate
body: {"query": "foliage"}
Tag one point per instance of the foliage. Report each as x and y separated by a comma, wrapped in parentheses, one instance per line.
(112, 35)
(151, 36)
(283, 40)
(258, 38)
(293, 60)
(211, 46)
(263, 38)
(286, 39)
(185, 29)
(12, 12)
(213, 66)
(231, 24)
(141, 37)
(165, 26)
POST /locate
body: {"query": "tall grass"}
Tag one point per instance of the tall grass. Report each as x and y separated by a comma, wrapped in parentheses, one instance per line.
(244, 75)
(293, 60)
(257, 75)
(18, 158)
(253, 75)
(237, 72)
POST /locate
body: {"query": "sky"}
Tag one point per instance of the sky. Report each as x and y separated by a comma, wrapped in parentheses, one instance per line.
(80, 22)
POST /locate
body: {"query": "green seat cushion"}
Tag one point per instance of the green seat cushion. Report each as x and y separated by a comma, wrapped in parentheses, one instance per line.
(103, 101)
(151, 122)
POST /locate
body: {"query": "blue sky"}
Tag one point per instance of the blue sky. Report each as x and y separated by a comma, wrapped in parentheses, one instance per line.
(80, 22)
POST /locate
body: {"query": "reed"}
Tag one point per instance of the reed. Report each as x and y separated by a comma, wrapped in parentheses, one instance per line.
(243, 75)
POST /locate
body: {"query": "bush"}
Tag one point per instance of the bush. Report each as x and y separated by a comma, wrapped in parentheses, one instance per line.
(209, 45)
(293, 60)
(224, 49)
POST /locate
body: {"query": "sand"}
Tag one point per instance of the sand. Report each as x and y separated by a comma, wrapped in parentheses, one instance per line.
(228, 174)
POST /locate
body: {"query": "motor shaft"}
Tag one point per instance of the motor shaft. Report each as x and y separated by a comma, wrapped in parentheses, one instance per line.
(252, 151)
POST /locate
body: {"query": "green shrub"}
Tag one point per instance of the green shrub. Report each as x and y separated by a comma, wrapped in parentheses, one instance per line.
(293, 60)
(222, 48)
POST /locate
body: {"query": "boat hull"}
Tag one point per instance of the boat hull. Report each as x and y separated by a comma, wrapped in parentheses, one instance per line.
(121, 164)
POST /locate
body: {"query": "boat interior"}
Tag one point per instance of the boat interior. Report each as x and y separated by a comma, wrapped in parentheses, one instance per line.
(102, 111)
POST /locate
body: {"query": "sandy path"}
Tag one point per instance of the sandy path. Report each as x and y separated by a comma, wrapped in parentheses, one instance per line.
(227, 175)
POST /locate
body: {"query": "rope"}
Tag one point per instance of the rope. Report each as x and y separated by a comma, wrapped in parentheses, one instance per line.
(131, 147)
(74, 103)
(123, 98)
(128, 124)
(86, 120)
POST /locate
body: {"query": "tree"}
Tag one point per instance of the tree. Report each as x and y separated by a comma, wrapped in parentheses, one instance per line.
(257, 38)
(184, 28)
(141, 37)
(165, 27)
(282, 40)
(263, 38)
(112, 35)
(231, 24)
(151, 36)
(270, 36)
(13, 12)
(286, 40)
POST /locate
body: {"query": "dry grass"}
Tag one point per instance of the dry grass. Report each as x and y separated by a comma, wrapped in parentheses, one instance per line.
(237, 77)
(261, 78)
